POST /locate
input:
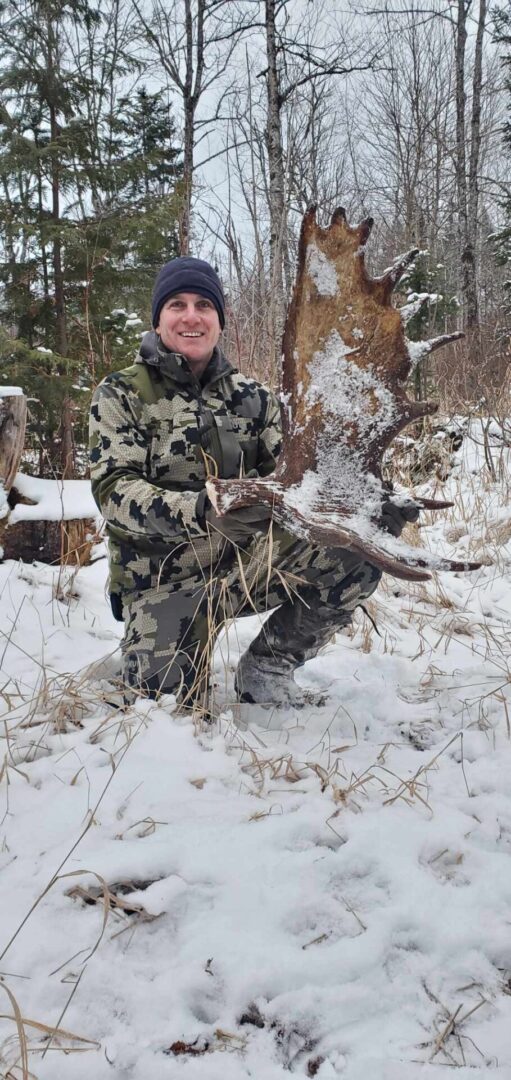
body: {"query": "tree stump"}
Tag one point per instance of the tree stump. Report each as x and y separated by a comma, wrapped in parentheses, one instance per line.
(67, 542)
(50, 538)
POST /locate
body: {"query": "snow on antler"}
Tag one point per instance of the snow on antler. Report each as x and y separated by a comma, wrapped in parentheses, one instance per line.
(345, 365)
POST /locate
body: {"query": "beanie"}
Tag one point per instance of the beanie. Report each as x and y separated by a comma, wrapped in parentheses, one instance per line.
(187, 274)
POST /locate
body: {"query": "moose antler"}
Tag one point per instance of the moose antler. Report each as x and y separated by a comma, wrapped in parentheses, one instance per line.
(345, 366)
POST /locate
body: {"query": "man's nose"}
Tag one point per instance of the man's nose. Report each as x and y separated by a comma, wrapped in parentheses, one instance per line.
(191, 314)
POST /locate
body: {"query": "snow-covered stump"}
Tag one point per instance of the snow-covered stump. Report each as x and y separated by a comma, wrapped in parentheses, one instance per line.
(51, 521)
(27, 535)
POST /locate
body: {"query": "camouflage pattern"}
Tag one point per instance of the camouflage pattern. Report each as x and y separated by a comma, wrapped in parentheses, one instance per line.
(171, 630)
(156, 433)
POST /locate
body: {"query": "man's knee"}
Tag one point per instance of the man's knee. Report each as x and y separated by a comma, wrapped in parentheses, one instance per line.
(341, 576)
(357, 585)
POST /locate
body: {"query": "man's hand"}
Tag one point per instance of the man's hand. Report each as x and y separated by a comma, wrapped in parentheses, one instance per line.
(394, 516)
(239, 526)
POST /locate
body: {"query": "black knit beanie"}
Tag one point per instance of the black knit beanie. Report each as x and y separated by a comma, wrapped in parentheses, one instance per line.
(187, 274)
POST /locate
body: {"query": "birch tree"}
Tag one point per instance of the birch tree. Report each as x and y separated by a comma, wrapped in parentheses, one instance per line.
(193, 42)
(468, 144)
(311, 53)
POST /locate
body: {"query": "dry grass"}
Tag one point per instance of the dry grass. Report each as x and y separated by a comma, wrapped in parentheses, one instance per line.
(63, 703)
(16, 1049)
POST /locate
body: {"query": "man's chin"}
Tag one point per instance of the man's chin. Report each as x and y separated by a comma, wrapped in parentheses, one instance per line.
(197, 363)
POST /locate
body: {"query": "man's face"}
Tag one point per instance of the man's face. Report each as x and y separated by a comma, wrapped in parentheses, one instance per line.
(189, 325)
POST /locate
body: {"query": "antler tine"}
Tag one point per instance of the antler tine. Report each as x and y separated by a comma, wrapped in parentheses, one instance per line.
(364, 230)
(418, 350)
(385, 284)
(434, 504)
(443, 339)
(339, 214)
(417, 410)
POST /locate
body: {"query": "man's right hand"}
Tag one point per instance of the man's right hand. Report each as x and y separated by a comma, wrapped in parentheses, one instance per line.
(240, 526)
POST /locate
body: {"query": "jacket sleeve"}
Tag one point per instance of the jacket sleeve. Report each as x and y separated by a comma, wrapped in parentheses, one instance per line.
(119, 460)
(270, 438)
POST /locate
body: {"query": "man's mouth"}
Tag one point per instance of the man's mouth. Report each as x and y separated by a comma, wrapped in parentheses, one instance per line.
(184, 333)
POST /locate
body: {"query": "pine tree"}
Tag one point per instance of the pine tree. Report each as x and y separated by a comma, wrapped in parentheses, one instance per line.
(427, 282)
(88, 207)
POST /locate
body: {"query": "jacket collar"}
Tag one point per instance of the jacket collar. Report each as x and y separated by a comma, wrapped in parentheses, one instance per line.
(154, 354)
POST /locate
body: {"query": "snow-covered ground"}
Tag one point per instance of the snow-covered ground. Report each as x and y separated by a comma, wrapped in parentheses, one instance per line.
(332, 899)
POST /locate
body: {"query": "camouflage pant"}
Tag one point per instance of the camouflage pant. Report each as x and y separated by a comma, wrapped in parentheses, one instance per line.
(170, 631)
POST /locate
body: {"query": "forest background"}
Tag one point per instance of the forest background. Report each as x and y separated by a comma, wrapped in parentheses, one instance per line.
(133, 131)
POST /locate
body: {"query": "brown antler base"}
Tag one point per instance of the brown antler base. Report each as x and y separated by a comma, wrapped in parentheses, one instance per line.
(328, 531)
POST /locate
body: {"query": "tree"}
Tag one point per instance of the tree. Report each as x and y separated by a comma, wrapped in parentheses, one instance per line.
(295, 58)
(88, 207)
(467, 177)
(117, 247)
(33, 34)
(502, 239)
(193, 42)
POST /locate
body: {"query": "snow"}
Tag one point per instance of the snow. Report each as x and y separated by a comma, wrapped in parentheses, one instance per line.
(417, 350)
(351, 398)
(4, 505)
(11, 391)
(55, 500)
(414, 303)
(347, 390)
(322, 271)
(322, 896)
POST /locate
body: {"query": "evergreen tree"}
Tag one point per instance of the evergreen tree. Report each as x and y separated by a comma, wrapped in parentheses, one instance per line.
(88, 207)
(426, 290)
(118, 247)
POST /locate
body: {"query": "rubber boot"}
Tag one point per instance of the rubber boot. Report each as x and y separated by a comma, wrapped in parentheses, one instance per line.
(293, 634)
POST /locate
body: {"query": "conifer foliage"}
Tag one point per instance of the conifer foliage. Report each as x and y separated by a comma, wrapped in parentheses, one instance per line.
(89, 199)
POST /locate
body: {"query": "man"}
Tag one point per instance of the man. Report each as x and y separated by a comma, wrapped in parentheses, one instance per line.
(181, 412)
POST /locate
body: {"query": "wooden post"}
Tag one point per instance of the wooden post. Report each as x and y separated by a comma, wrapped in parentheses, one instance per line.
(13, 419)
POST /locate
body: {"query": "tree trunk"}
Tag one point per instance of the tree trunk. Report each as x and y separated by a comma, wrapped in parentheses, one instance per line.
(467, 184)
(187, 182)
(473, 170)
(13, 418)
(278, 216)
(67, 441)
(461, 163)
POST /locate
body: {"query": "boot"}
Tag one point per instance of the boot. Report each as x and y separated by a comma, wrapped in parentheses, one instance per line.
(293, 634)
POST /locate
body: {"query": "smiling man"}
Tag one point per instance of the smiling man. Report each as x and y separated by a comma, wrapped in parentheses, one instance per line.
(158, 429)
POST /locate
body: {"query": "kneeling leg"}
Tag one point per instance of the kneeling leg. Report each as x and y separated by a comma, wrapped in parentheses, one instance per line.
(165, 645)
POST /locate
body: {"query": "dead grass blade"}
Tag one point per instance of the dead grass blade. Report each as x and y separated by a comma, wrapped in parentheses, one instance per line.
(22, 1038)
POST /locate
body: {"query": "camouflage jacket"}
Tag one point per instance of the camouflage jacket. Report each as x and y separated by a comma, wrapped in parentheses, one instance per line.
(155, 432)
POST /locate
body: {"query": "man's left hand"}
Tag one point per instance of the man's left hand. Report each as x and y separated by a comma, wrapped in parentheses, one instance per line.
(394, 516)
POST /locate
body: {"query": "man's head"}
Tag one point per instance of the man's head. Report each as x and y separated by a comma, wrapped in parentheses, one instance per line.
(188, 309)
